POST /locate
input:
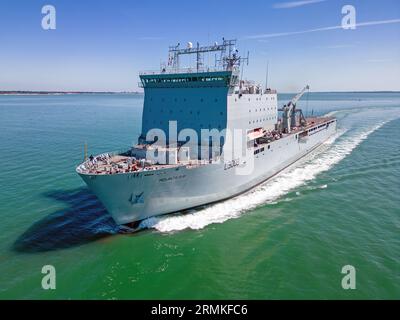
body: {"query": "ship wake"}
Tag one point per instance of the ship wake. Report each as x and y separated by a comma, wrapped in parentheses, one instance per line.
(325, 157)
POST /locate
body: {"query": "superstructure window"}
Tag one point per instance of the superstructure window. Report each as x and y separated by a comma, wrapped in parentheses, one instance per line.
(186, 79)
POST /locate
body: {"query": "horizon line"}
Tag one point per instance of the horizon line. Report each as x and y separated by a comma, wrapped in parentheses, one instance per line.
(135, 92)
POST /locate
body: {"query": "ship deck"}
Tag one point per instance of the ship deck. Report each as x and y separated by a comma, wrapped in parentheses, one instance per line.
(117, 164)
(120, 163)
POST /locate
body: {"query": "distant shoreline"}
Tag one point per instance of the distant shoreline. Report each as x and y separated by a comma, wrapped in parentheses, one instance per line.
(26, 92)
(311, 92)
(23, 93)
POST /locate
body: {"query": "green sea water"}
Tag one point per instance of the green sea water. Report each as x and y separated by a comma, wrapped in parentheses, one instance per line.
(286, 239)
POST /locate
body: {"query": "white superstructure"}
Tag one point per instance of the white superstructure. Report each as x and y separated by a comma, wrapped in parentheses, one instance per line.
(175, 165)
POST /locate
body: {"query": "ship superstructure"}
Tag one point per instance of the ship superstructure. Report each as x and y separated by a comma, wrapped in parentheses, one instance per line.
(207, 135)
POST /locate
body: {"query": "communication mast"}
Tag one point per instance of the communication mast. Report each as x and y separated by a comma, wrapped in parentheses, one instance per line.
(229, 56)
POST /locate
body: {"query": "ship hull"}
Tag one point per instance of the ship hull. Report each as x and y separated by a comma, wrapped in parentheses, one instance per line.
(131, 197)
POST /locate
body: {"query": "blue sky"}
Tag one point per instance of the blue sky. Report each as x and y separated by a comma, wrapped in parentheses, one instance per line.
(102, 45)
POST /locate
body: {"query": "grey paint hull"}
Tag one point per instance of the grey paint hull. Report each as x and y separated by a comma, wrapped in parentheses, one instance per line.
(132, 197)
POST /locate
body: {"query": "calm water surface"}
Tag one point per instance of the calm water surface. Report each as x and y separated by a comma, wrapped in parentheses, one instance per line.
(286, 239)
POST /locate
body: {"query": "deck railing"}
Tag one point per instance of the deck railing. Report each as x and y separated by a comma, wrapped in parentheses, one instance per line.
(184, 70)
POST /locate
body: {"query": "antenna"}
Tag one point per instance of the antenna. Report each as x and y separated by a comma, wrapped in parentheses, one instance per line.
(308, 93)
(198, 57)
(240, 81)
(266, 76)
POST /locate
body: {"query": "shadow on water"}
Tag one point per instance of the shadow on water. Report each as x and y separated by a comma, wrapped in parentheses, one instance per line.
(83, 221)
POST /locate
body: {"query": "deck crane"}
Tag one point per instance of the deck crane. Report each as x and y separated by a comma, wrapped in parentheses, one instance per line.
(289, 112)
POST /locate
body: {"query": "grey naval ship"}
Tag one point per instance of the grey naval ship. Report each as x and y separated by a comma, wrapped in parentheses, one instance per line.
(175, 165)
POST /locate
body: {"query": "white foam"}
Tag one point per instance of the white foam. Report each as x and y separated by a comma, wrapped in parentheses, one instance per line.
(321, 160)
